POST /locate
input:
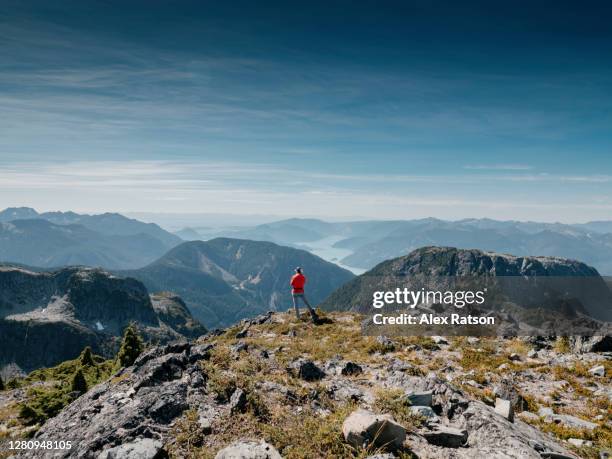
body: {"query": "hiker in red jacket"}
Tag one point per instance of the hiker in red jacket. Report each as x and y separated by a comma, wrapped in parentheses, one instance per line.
(297, 291)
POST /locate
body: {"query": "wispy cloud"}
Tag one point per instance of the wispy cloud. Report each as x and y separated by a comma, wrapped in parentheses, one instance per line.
(498, 167)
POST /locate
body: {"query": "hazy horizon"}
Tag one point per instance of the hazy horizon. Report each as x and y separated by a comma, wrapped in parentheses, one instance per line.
(180, 220)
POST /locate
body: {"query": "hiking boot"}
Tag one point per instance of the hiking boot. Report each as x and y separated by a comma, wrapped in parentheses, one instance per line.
(315, 318)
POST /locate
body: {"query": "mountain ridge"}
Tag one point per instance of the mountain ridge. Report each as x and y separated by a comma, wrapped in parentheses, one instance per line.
(224, 280)
(65, 310)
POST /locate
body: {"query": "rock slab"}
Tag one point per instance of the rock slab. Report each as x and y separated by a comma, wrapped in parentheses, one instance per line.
(249, 450)
(363, 427)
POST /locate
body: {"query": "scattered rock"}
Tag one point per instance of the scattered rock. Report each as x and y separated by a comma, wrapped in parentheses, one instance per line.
(439, 339)
(424, 398)
(306, 370)
(599, 370)
(344, 391)
(240, 346)
(143, 448)
(503, 366)
(506, 390)
(387, 344)
(473, 340)
(238, 401)
(545, 411)
(249, 450)
(205, 424)
(514, 357)
(579, 442)
(591, 343)
(504, 408)
(573, 421)
(382, 456)
(532, 354)
(242, 333)
(362, 428)
(351, 369)
(449, 437)
(399, 365)
(200, 352)
(424, 411)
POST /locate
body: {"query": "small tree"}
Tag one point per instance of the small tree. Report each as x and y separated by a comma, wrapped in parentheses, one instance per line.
(79, 384)
(131, 347)
(87, 357)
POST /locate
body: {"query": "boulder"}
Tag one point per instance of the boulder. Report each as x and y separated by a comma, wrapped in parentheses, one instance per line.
(532, 354)
(424, 411)
(424, 398)
(573, 421)
(439, 339)
(514, 357)
(249, 450)
(364, 428)
(599, 370)
(200, 352)
(351, 369)
(243, 333)
(504, 408)
(505, 389)
(306, 370)
(238, 401)
(449, 437)
(240, 346)
(205, 424)
(144, 448)
(591, 343)
(579, 442)
(386, 343)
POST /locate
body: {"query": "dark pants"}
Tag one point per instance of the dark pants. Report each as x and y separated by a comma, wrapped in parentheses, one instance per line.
(296, 297)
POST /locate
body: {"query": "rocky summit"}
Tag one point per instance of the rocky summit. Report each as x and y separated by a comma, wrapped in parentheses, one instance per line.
(584, 290)
(49, 317)
(274, 387)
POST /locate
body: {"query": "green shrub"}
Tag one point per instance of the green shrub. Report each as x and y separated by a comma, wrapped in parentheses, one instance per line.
(131, 347)
(45, 401)
(87, 358)
(78, 382)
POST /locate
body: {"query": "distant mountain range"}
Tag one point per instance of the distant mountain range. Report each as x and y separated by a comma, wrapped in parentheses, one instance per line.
(433, 267)
(49, 317)
(367, 243)
(224, 280)
(55, 239)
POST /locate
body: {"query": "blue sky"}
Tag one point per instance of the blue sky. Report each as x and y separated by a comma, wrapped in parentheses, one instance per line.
(331, 109)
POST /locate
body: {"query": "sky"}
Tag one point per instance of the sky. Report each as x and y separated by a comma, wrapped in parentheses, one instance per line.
(328, 109)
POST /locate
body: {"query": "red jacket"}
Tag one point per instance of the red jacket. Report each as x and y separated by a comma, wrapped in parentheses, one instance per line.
(297, 282)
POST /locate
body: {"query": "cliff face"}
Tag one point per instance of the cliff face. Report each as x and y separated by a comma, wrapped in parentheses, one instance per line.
(48, 317)
(434, 264)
